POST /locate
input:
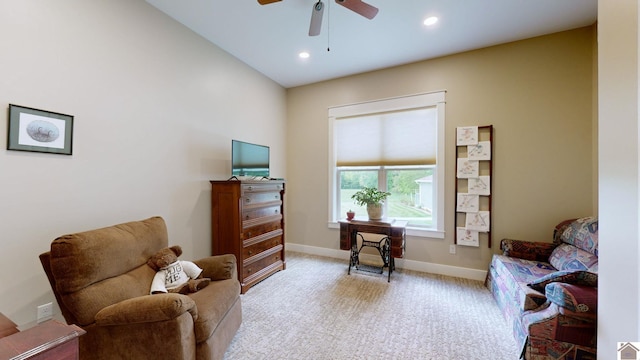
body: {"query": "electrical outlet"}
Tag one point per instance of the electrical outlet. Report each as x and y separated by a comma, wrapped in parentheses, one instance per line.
(452, 249)
(45, 312)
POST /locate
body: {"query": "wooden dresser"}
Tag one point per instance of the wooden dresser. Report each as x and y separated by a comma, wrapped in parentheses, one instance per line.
(247, 220)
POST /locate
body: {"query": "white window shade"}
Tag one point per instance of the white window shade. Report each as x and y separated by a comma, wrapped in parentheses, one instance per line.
(394, 138)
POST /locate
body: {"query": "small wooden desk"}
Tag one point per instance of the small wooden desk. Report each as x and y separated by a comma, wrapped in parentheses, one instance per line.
(390, 247)
(47, 341)
(7, 327)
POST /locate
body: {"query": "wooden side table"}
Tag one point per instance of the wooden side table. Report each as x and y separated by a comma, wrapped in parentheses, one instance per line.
(50, 340)
(390, 247)
(7, 327)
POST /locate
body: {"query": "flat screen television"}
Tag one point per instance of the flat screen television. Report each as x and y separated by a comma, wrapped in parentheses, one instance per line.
(248, 159)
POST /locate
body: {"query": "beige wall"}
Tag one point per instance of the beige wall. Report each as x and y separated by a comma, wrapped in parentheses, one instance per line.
(155, 108)
(537, 93)
(618, 176)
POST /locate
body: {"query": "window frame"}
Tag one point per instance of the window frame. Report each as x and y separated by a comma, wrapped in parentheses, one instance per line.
(432, 99)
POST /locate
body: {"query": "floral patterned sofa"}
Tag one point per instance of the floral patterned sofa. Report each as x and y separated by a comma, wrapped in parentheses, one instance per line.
(548, 291)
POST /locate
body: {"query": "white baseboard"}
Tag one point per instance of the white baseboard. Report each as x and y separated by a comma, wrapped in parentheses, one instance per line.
(448, 270)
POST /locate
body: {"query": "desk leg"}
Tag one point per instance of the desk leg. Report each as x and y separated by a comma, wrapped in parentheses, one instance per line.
(389, 258)
(353, 258)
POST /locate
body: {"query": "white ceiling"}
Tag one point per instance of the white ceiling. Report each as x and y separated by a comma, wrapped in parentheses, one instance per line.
(269, 37)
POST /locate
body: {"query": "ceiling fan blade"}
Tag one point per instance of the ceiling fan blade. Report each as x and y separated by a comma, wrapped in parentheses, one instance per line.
(360, 7)
(316, 18)
(265, 2)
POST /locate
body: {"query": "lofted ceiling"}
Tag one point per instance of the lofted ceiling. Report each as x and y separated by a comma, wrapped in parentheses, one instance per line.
(269, 37)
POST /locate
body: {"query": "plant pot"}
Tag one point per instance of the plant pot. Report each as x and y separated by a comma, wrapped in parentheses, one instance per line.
(374, 211)
(350, 215)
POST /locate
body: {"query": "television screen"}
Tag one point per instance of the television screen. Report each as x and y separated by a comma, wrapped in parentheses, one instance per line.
(249, 159)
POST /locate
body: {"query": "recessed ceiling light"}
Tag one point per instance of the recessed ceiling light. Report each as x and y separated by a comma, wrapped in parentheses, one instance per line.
(304, 55)
(430, 20)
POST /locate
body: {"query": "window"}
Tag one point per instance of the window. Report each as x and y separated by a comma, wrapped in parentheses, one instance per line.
(396, 145)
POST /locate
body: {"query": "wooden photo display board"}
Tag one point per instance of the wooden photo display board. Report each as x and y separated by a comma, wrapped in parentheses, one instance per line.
(474, 176)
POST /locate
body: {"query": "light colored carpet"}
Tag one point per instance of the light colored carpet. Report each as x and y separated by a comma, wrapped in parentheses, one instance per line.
(314, 310)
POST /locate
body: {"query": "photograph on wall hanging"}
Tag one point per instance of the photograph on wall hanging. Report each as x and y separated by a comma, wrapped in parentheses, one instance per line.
(479, 151)
(467, 135)
(478, 221)
(467, 168)
(39, 131)
(480, 185)
(467, 237)
(468, 202)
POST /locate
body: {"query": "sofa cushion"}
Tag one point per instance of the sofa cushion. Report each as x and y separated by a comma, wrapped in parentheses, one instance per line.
(524, 271)
(583, 234)
(566, 276)
(87, 277)
(85, 258)
(569, 257)
(514, 276)
(86, 303)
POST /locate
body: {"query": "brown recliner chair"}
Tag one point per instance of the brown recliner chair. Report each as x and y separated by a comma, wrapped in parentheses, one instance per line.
(101, 281)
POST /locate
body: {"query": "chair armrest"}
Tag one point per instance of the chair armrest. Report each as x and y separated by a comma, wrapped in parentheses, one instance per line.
(527, 250)
(147, 308)
(551, 323)
(578, 299)
(559, 230)
(218, 267)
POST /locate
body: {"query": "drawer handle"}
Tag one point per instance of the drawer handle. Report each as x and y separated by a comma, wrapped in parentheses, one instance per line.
(276, 197)
(277, 211)
(249, 270)
(250, 188)
(247, 200)
(247, 217)
(250, 252)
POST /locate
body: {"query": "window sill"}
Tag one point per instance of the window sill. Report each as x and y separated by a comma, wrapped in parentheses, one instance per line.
(411, 231)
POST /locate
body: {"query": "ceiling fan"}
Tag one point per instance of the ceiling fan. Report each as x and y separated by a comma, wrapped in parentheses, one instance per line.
(357, 6)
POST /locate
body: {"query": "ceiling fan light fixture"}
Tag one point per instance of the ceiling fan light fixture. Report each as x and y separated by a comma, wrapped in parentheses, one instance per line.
(431, 20)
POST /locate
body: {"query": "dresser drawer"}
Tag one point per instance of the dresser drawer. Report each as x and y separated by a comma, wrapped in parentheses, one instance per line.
(256, 188)
(259, 244)
(254, 264)
(250, 214)
(257, 199)
(258, 230)
(397, 242)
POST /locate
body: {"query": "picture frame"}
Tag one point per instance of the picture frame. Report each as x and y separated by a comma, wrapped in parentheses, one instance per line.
(466, 135)
(41, 131)
(468, 168)
(479, 221)
(468, 202)
(467, 237)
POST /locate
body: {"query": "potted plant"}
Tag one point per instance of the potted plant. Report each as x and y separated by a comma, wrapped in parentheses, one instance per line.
(373, 199)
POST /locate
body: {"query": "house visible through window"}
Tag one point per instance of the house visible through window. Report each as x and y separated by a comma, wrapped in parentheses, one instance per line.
(394, 145)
